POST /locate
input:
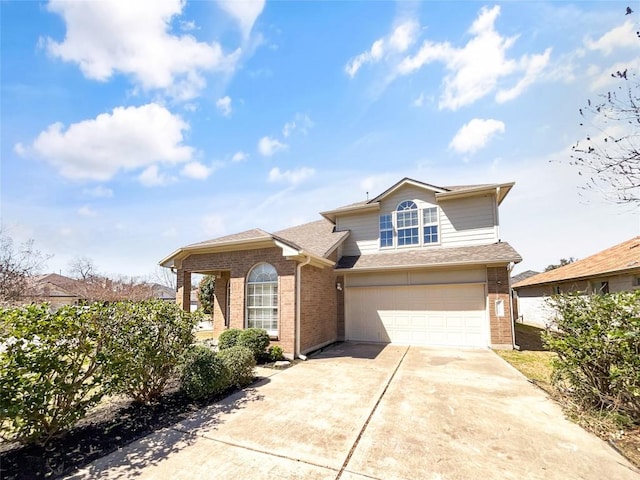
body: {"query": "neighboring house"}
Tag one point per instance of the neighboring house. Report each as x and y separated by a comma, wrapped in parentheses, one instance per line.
(615, 269)
(418, 264)
(515, 279)
(162, 292)
(53, 288)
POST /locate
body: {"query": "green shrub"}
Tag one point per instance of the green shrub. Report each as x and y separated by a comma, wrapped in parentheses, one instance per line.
(240, 363)
(204, 374)
(52, 369)
(276, 353)
(146, 342)
(206, 291)
(255, 339)
(597, 339)
(228, 338)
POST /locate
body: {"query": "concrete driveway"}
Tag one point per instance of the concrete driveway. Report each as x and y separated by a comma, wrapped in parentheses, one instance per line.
(361, 411)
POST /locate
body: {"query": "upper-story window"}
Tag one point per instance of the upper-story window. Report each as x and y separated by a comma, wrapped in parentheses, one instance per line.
(386, 230)
(407, 223)
(430, 225)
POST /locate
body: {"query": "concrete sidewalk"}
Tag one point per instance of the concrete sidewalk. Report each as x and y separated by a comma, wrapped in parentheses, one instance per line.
(361, 411)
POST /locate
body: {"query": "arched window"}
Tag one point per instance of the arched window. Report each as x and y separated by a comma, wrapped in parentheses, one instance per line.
(407, 223)
(262, 298)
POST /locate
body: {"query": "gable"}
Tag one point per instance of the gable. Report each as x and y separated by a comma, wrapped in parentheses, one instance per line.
(423, 198)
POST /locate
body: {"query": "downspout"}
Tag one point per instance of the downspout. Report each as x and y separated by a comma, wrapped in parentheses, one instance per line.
(497, 213)
(298, 284)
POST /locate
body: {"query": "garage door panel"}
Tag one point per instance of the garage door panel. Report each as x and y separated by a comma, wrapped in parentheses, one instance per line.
(418, 315)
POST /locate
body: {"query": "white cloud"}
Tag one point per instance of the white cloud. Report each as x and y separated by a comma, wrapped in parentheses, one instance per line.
(133, 38)
(418, 101)
(601, 77)
(476, 134)
(245, 12)
(151, 177)
(292, 177)
(621, 36)
(196, 170)
(533, 66)
(98, 192)
(239, 156)
(224, 105)
(268, 146)
(398, 41)
(213, 225)
(126, 139)
(301, 123)
(86, 211)
(476, 69)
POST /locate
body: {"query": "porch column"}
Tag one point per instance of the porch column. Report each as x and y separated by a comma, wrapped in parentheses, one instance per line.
(220, 313)
(183, 295)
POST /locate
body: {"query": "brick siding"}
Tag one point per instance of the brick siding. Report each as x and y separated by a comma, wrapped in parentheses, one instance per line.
(498, 289)
(235, 266)
(318, 307)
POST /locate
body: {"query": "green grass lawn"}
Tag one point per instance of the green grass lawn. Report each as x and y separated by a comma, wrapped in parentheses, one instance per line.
(535, 365)
(532, 359)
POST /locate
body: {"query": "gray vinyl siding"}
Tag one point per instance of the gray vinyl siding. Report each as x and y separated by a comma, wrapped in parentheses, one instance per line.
(417, 277)
(466, 221)
(423, 198)
(363, 239)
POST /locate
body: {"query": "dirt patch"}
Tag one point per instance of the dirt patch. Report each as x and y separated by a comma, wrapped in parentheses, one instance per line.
(113, 424)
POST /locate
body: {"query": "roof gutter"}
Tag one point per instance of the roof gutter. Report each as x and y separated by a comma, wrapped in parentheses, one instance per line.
(298, 309)
(429, 265)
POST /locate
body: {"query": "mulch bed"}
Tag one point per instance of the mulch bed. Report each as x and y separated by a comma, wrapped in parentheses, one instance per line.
(112, 425)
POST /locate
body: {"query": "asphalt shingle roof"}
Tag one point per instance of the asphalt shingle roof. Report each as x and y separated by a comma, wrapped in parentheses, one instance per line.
(494, 252)
(619, 258)
(253, 234)
(316, 237)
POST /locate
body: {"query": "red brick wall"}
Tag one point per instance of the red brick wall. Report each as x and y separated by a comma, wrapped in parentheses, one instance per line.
(498, 288)
(318, 308)
(236, 265)
(340, 308)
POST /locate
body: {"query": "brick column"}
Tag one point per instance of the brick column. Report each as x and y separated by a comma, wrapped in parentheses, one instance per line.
(183, 295)
(498, 289)
(220, 314)
(340, 307)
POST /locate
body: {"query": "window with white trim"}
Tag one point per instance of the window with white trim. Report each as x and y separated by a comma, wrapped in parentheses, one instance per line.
(430, 225)
(262, 298)
(386, 230)
(407, 223)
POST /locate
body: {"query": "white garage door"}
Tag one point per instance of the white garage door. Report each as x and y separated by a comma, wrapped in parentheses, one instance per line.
(451, 315)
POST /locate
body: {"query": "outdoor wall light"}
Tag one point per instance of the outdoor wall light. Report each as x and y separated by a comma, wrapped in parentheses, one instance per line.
(338, 286)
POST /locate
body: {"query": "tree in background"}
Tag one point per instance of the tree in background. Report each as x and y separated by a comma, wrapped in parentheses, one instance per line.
(206, 290)
(17, 264)
(609, 155)
(93, 286)
(563, 262)
(82, 268)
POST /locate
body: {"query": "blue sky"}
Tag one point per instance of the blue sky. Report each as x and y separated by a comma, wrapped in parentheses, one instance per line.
(132, 128)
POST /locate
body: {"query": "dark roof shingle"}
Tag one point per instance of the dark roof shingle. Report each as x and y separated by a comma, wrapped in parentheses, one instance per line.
(494, 252)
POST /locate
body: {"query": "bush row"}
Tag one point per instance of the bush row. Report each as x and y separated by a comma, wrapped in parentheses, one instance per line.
(597, 340)
(55, 366)
(255, 339)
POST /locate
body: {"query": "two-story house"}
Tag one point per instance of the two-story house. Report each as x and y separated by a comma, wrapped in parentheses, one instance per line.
(418, 264)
